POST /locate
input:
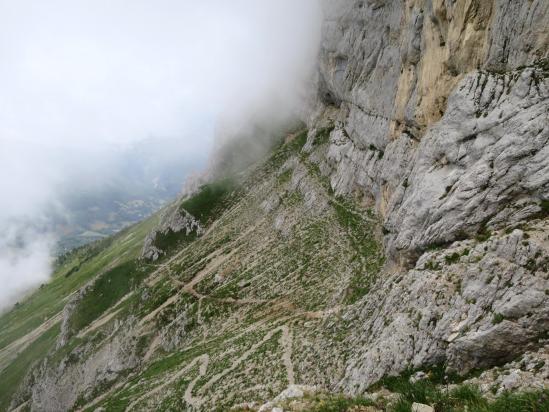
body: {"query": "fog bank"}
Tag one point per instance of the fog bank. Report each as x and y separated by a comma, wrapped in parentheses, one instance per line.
(82, 83)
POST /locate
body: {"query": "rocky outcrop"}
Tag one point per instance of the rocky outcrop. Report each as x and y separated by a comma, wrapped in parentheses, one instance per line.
(438, 112)
(438, 118)
(528, 373)
(474, 305)
(174, 220)
(66, 331)
(85, 370)
(485, 164)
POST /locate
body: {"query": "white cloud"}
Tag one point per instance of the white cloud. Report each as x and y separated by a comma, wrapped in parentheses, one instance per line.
(25, 262)
(80, 80)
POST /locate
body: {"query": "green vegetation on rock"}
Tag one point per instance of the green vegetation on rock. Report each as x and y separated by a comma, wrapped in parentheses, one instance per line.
(107, 290)
(446, 392)
(210, 200)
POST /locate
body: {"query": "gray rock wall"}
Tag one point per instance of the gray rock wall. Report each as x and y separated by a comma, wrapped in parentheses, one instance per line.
(441, 120)
(173, 220)
(87, 370)
(441, 113)
(474, 305)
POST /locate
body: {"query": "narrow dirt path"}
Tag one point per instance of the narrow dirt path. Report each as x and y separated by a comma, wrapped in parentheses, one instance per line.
(213, 264)
(189, 287)
(152, 348)
(102, 396)
(319, 314)
(167, 302)
(216, 258)
(154, 277)
(242, 301)
(11, 351)
(203, 359)
(286, 341)
(244, 357)
(195, 400)
(189, 391)
(21, 407)
(98, 323)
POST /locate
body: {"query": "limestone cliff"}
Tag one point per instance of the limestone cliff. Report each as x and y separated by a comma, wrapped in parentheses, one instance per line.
(440, 119)
(441, 113)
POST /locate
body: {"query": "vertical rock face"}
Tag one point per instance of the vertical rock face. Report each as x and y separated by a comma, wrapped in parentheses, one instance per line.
(84, 370)
(485, 163)
(174, 221)
(441, 113)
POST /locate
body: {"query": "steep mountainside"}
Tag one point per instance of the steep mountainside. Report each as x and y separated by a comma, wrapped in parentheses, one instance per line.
(404, 229)
(441, 114)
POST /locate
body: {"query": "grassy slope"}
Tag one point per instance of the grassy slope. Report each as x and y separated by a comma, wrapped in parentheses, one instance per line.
(49, 300)
(256, 302)
(273, 284)
(12, 376)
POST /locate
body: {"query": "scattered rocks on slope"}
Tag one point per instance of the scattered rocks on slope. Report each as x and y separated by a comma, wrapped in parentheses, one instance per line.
(449, 309)
(529, 372)
(421, 407)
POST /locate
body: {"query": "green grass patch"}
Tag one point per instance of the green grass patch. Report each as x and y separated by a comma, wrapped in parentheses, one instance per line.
(497, 318)
(228, 290)
(524, 402)
(431, 265)
(13, 375)
(359, 286)
(285, 177)
(369, 257)
(116, 404)
(435, 375)
(155, 296)
(299, 141)
(176, 359)
(170, 241)
(453, 258)
(210, 200)
(433, 391)
(276, 159)
(483, 234)
(338, 403)
(544, 210)
(106, 291)
(323, 135)
(469, 398)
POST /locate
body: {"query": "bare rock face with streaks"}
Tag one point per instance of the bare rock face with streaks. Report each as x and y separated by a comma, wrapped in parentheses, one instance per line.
(473, 305)
(438, 119)
(173, 221)
(438, 113)
(85, 369)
